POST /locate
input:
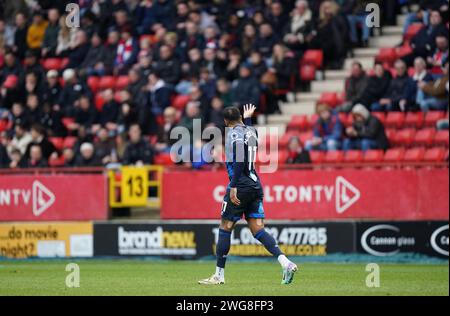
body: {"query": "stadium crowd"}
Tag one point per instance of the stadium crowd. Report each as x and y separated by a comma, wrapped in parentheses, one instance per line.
(111, 90)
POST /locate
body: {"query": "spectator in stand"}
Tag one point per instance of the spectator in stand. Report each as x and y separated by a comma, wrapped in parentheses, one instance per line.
(15, 158)
(331, 35)
(168, 67)
(109, 115)
(423, 14)
(245, 89)
(11, 66)
(248, 40)
(300, 27)
(284, 67)
(78, 49)
(9, 92)
(4, 158)
(39, 138)
(296, 153)
(159, 95)
(138, 151)
(66, 38)
(31, 64)
(144, 15)
(277, 17)
(20, 35)
(435, 59)
(50, 41)
(355, 86)
(33, 110)
(52, 88)
(391, 100)
(377, 86)
(110, 52)
(19, 115)
(87, 157)
(69, 157)
(327, 130)
(36, 160)
(93, 63)
(224, 92)
(356, 13)
(424, 42)
(216, 113)
(367, 132)
(21, 139)
(434, 95)
(257, 64)
(36, 31)
(85, 115)
(192, 112)
(265, 41)
(32, 86)
(72, 91)
(127, 52)
(164, 142)
(412, 96)
(232, 69)
(105, 147)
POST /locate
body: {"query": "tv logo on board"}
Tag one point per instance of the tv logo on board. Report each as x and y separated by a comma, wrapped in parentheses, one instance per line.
(40, 198)
(342, 193)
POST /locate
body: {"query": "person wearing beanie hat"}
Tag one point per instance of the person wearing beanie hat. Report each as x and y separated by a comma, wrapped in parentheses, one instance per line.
(366, 132)
(327, 130)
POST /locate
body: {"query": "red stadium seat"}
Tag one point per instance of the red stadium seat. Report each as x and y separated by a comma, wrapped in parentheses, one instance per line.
(436, 154)
(313, 57)
(394, 155)
(107, 82)
(353, 156)
(432, 117)
(164, 159)
(93, 83)
(307, 73)
(284, 140)
(52, 63)
(414, 119)
(404, 137)
(395, 119)
(329, 98)
(340, 97)
(99, 101)
(70, 141)
(304, 137)
(298, 122)
(67, 121)
(373, 156)
(282, 156)
(58, 142)
(441, 138)
(425, 137)
(412, 31)
(64, 62)
(56, 162)
(381, 116)
(387, 55)
(317, 156)
(180, 101)
(414, 154)
(122, 82)
(343, 117)
(334, 156)
(403, 51)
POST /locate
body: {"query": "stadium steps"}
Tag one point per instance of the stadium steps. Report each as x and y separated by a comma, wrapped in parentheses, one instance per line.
(304, 107)
(327, 86)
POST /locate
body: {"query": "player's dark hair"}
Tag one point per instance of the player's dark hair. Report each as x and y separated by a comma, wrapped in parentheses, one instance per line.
(232, 114)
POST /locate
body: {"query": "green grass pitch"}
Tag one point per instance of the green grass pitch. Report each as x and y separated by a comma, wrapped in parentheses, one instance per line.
(148, 277)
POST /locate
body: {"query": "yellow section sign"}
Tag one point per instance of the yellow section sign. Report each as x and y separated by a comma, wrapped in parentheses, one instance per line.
(46, 240)
(134, 186)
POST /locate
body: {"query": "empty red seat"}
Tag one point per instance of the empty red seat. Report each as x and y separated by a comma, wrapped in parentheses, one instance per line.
(334, 156)
(52, 63)
(394, 155)
(436, 154)
(412, 30)
(441, 138)
(307, 72)
(395, 119)
(122, 82)
(353, 156)
(390, 134)
(381, 116)
(432, 117)
(107, 82)
(99, 101)
(180, 101)
(93, 83)
(317, 156)
(298, 122)
(404, 137)
(387, 55)
(283, 156)
(70, 141)
(313, 57)
(58, 142)
(414, 154)
(373, 156)
(425, 137)
(403, 51)
(329, 98)
(164, 159)
(414, 119)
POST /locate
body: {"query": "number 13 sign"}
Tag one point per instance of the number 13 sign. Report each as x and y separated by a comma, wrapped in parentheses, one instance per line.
(134, 186)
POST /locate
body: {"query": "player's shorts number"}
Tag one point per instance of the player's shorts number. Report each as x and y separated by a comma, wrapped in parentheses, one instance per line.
(224, 207)
(134, 186)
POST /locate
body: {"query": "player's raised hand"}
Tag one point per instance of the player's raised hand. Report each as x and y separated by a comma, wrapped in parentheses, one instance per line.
(249, 109)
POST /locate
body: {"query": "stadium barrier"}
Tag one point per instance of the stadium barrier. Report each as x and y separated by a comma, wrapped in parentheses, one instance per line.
(197, 239)
(397, 194)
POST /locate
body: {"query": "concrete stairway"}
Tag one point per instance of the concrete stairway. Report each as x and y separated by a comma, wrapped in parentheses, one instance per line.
(334, 80)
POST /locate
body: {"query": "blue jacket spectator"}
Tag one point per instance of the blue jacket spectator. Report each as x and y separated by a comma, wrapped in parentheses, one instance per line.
(246, 89)
(327, 130)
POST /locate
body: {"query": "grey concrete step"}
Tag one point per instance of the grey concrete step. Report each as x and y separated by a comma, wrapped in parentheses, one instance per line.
(385, 41)
(271, 129)
(393, 30)
(327, 86)
(307, 96)
(279, 119)
(369, 52)
(305, 107)
(336, 74)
